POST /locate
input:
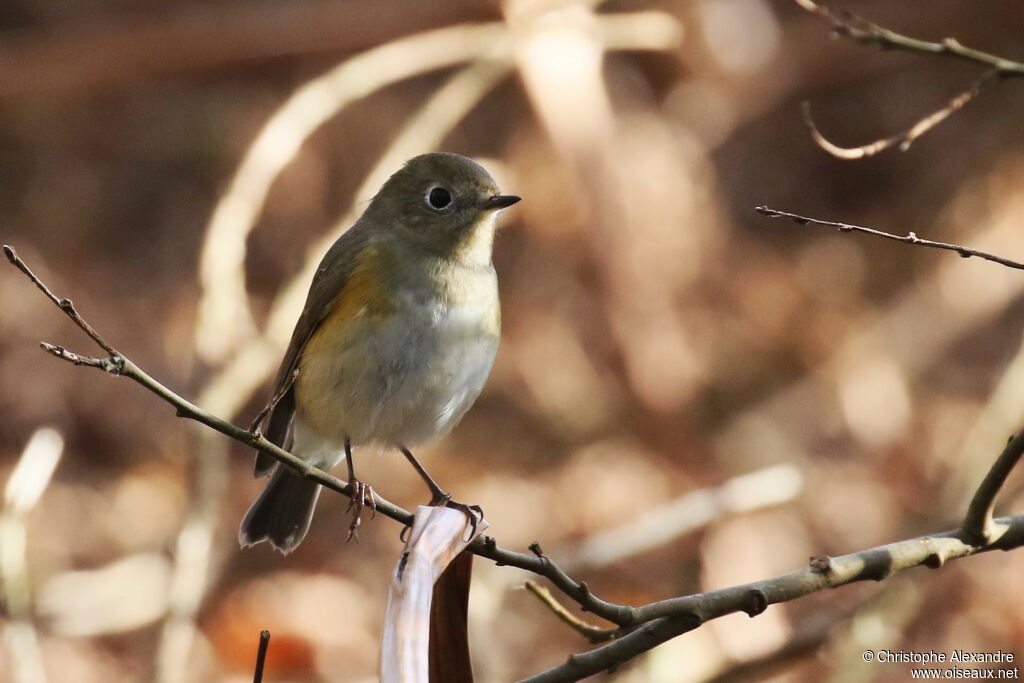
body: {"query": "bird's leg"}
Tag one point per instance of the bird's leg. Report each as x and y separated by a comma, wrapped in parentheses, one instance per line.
(439, 497)
(362, 496)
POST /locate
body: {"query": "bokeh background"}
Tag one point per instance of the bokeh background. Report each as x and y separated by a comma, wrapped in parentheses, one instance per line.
(687, 394)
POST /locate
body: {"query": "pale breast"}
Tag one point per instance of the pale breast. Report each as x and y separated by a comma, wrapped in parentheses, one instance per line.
(408, 375)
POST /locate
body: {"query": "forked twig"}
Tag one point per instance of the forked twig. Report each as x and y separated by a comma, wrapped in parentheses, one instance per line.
(979, 526)
(65, 305)
(595, 634)
(859, 30)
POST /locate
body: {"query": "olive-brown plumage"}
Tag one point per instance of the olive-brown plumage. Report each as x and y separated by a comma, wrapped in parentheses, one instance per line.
(396, 338)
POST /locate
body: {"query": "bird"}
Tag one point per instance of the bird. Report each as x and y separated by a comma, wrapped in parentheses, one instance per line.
(396, 339)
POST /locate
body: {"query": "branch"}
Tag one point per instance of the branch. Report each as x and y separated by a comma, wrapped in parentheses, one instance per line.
(909, 238)
(642, 627)
(668, 618)
(901, 141)
(65, 305)
(865, 32)
(119, 364)
(595, 634)
(979, 527)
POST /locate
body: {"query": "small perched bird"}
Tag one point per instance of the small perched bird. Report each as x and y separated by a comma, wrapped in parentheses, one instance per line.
(395, 341)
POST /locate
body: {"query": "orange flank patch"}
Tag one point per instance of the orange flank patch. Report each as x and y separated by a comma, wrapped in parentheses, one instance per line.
(363, 295)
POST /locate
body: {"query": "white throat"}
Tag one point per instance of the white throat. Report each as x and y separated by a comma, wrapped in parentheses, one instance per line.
(478, 244)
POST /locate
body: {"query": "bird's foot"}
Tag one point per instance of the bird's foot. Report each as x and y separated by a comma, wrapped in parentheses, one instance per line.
(362, 497)
(474, 513)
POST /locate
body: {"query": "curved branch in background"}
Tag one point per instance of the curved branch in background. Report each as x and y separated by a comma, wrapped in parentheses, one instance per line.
(865, 32)
(902, 141)
(25, 486)
(693, 510)
(641, 628)
(224, 305)
(909, 238)
(222, 274)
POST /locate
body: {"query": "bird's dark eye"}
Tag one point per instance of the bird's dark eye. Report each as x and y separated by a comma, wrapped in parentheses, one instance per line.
(438, 198)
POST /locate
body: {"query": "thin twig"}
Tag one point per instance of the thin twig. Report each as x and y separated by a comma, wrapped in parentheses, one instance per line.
(118, 364)
(595, 634)
(261, 656)
(979, 527)
(909, 238)
(868, 33)
(65, 305)
(903, 140)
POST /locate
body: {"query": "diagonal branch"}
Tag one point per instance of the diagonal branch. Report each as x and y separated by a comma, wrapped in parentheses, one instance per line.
(119, 364)
(65, 305)
(909, 238)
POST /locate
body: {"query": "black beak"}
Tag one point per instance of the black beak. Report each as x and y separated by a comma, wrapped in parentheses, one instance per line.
(500, 201)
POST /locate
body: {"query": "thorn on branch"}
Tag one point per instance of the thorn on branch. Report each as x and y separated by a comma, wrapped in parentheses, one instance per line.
(821, 564)
(757, 602)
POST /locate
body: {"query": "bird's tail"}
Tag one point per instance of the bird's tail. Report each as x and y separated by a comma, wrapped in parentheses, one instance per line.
(282, 512)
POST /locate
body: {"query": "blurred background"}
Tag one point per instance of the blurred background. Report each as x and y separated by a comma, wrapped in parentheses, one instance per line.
(687, 395)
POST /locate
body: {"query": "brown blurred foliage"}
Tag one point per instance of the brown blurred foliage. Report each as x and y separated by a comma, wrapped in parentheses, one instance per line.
(659, 336)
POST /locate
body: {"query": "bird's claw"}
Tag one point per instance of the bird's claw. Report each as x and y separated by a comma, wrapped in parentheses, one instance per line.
(362, 496)
(474, 513)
